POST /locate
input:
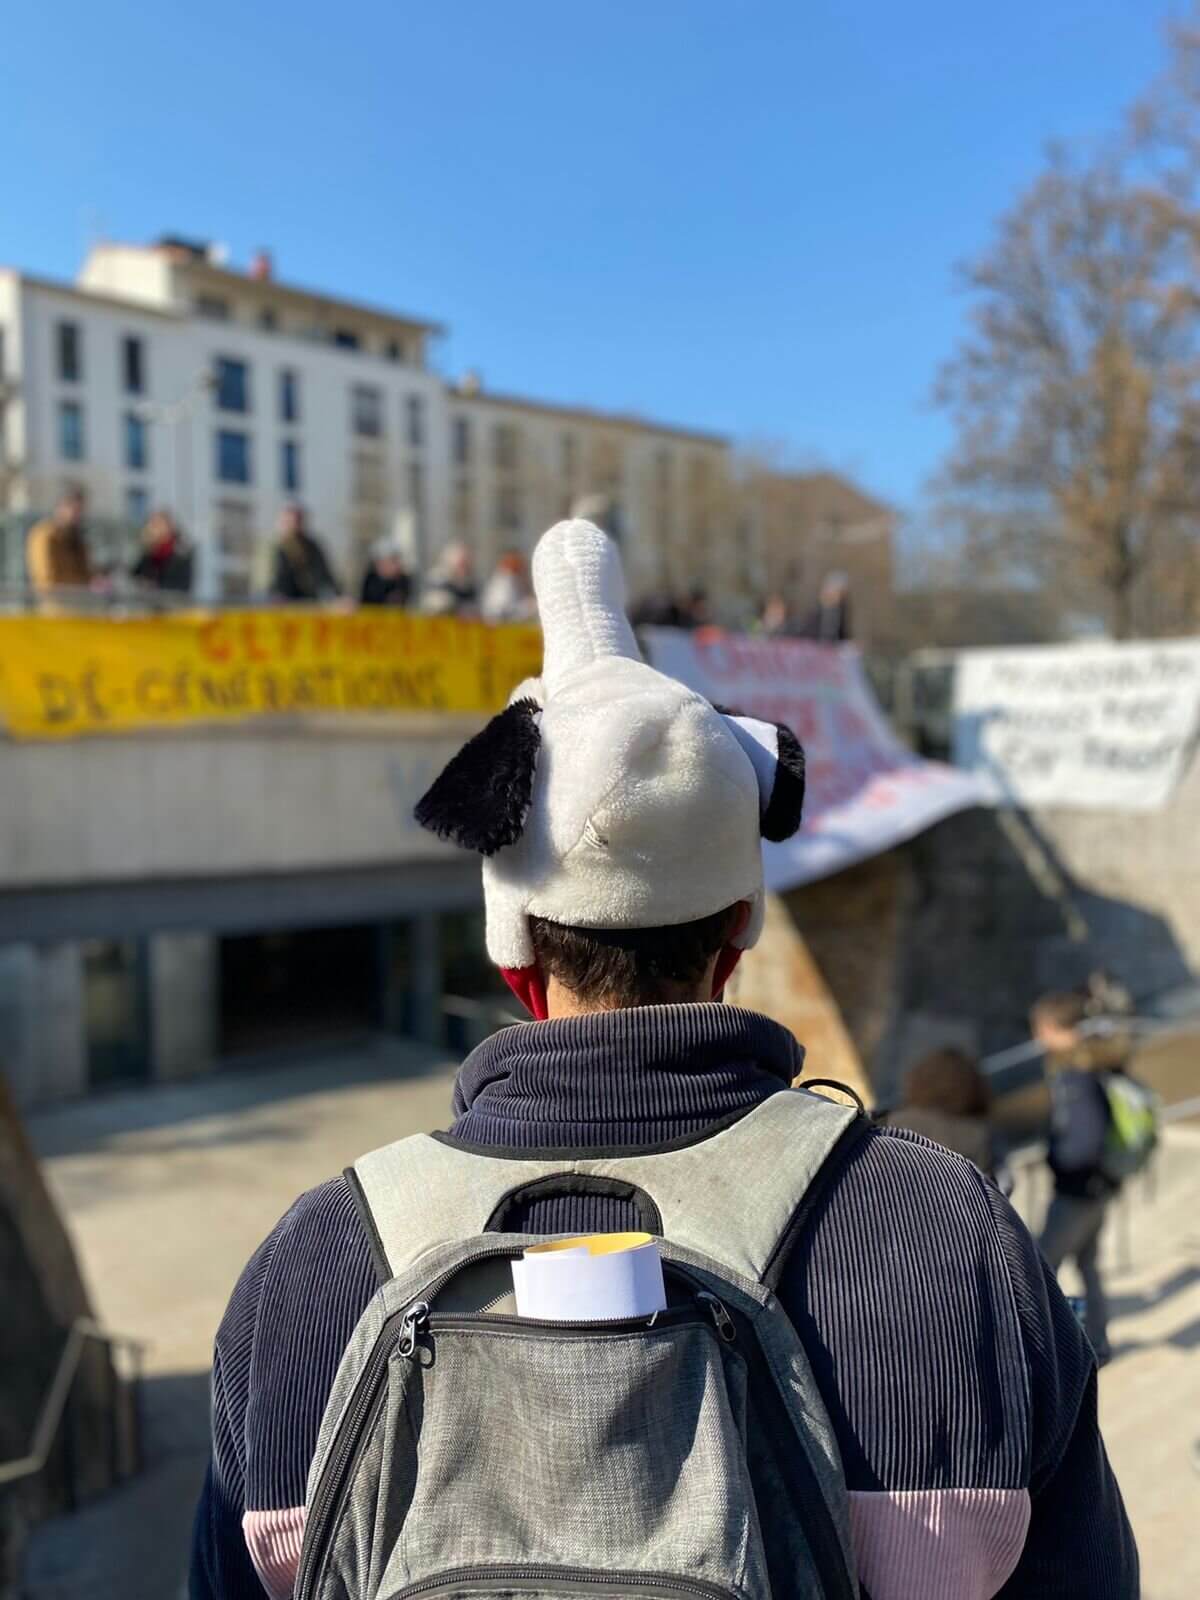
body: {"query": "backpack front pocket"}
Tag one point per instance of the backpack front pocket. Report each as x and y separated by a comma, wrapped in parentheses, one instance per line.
(599, 1447)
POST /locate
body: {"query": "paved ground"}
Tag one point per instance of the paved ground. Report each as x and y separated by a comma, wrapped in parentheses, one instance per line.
(168, 1191)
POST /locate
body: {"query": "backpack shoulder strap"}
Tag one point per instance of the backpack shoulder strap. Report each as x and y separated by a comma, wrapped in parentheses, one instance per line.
(731, 1196)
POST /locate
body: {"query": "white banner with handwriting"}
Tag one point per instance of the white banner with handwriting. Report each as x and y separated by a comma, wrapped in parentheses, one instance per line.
(1103, 726)
(865, 791)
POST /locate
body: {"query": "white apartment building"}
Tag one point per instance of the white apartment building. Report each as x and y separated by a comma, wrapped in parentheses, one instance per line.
(163, 377)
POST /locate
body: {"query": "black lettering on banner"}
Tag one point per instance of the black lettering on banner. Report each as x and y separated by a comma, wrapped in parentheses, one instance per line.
(303, 691)
(58, 697)
(89, 684)
(428, 688)
(268, 684)
(152, 693)
(239, 690)
(1129, 758)
(381, 692)
(210, 692)
(327, 687)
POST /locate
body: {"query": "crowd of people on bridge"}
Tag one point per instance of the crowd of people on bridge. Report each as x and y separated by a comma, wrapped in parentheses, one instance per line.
(59, 565)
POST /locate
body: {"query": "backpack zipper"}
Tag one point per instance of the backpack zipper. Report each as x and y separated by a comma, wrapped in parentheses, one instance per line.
(362, 1402)
(565, 1577)
(419, 1317)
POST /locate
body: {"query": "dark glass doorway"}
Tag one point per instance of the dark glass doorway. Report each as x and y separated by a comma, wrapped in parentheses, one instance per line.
(116, 1011)
(299, 987)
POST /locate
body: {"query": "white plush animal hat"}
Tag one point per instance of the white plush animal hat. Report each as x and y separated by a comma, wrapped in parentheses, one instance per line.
(607, 795)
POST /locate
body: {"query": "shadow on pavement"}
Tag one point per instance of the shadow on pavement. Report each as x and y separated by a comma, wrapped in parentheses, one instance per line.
(93, 1123)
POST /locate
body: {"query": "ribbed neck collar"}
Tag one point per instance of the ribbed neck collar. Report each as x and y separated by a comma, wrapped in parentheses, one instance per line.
(627, 1079)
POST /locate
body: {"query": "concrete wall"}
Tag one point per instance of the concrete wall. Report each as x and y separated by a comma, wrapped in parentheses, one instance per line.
(42, 1046)
(1148, 862)
(224, 802)
(950, 938)
(184, 1004)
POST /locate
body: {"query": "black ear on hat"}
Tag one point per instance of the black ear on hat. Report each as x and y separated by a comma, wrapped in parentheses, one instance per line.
(482, 798)
(785, 807)
(778, 761)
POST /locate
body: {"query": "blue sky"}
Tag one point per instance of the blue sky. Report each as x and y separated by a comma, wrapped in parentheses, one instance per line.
(743, 217)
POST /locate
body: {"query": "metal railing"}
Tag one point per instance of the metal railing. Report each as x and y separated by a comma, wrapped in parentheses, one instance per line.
(124, 1413)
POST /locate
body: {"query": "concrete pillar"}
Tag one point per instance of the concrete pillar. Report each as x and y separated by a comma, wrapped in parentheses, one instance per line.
(426, 976)
(43, 1041)
(184, 1004)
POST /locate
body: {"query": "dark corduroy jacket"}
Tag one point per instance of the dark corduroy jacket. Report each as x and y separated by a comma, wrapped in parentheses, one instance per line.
(960, 1386)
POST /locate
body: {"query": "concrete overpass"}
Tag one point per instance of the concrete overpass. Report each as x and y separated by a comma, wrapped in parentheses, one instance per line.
(162, 844)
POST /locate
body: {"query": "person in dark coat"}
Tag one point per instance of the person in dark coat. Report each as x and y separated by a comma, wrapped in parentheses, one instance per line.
(829, 620)
(166, 559)
(1076, 1063)
(387, 581)
(620, 821)
(302, 570)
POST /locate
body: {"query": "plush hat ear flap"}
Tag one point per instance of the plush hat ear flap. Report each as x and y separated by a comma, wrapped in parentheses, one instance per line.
(483, 796)
(778, 761)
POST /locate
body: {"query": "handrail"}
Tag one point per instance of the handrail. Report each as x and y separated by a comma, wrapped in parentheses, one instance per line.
(50, 1417)
(1138, 1027)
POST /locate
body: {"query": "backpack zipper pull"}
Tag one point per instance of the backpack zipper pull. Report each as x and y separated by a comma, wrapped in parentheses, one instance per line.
(724, 1322)
(414, 1320)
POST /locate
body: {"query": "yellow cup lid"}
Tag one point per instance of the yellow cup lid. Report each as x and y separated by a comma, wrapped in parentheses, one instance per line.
(596, 1244)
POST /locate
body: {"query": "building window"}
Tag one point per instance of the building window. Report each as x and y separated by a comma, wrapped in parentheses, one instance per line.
(662, 471)
(137, 450)
(506, 447)
(210, 306)
(289, 466)
(232, 385)
(70, 352)
(267, 320)
(137, 505)
(344, 339)
(70, 430)
(414, 411)
(366, 411)
(289, 396)
(368, 481)
(508, 508)
(460, 441)
(394, 350)
(233, 456)
(570, 457)
(133, 364)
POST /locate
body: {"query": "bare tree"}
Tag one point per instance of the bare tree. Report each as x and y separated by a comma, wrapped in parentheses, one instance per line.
(1074, 393)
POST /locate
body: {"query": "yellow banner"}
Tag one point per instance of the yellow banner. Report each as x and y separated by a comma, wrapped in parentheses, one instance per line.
(61, 677)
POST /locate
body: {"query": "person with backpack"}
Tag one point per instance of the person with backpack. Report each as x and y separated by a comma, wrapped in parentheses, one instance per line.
(865, 1380)
(1103, 1129)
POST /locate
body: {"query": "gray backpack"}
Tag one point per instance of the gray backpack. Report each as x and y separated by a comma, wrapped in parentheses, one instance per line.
(466, 1451)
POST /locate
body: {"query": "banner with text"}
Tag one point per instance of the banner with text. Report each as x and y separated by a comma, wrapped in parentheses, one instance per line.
(62, 677)
(865, 791)
(1104, 726)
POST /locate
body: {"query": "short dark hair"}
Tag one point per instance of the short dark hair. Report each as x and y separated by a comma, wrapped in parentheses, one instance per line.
(948, 1080)
(630, 966)
(1064, 1008)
